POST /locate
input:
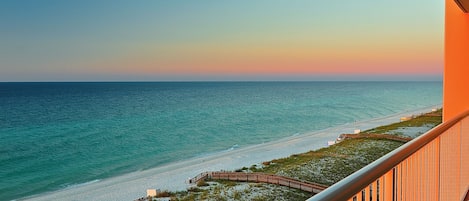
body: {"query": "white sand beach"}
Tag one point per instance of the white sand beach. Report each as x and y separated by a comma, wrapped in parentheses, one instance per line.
(173, 176)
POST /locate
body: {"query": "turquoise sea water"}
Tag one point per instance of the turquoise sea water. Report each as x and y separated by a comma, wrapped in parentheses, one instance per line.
(57, 135)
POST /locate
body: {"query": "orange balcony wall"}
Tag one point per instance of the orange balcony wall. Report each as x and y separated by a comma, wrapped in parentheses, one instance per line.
(456, 71)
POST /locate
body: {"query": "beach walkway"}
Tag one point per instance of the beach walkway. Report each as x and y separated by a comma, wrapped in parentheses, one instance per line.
(260, 178)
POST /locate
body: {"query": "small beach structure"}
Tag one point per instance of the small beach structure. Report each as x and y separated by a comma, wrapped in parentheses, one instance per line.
(357, 131)
(151, 192)
(406, 118)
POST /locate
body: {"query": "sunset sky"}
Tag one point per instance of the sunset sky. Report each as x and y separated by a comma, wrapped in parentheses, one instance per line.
(91, 40)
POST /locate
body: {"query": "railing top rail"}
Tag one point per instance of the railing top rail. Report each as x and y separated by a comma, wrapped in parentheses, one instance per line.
(354, 183)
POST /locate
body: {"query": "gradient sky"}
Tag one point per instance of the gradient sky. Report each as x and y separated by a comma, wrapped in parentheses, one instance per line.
(84, 40)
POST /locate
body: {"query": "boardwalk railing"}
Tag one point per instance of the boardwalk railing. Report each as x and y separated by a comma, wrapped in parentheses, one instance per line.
(434, 166)
(376, 136)
(201, 176)
(261, 178)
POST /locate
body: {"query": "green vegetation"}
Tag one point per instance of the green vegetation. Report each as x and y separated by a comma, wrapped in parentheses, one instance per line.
(227, 183)
(429, 120)
(244, 191)
(331, 164)
(163, 194)
(324, 166)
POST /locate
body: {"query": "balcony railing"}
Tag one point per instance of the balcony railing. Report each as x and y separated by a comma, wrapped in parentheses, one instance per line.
(434, 166)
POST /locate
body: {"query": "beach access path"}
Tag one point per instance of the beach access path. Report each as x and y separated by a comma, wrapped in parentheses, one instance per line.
(174, 176)
(260, 177)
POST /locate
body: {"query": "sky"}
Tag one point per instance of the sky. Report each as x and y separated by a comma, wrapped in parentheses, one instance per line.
(187, 40)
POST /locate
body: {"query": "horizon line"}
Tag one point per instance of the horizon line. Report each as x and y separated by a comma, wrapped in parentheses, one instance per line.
(181, 81)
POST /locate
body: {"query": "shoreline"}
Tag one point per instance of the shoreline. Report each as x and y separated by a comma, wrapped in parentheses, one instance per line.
(173, 176)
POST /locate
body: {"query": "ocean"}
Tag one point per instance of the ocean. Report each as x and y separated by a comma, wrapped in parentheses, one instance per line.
(61, 135)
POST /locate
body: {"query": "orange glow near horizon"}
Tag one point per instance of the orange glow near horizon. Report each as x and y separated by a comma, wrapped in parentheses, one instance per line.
(242, 38)
(238, 59)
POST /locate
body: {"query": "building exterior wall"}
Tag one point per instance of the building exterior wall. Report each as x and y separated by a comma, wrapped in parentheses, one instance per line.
(456, 71)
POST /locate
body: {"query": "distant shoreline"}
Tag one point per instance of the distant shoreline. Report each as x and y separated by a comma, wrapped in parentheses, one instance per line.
(172, 176)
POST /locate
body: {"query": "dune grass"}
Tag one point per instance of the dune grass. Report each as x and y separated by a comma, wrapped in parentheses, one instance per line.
(324, 166)
(329, 165)
(431, 119)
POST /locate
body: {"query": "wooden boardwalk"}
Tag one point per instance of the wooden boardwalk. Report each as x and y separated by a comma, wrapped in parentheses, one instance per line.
(261, 178)
(376, 136)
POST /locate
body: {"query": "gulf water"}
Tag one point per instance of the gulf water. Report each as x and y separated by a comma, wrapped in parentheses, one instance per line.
(59, 135)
